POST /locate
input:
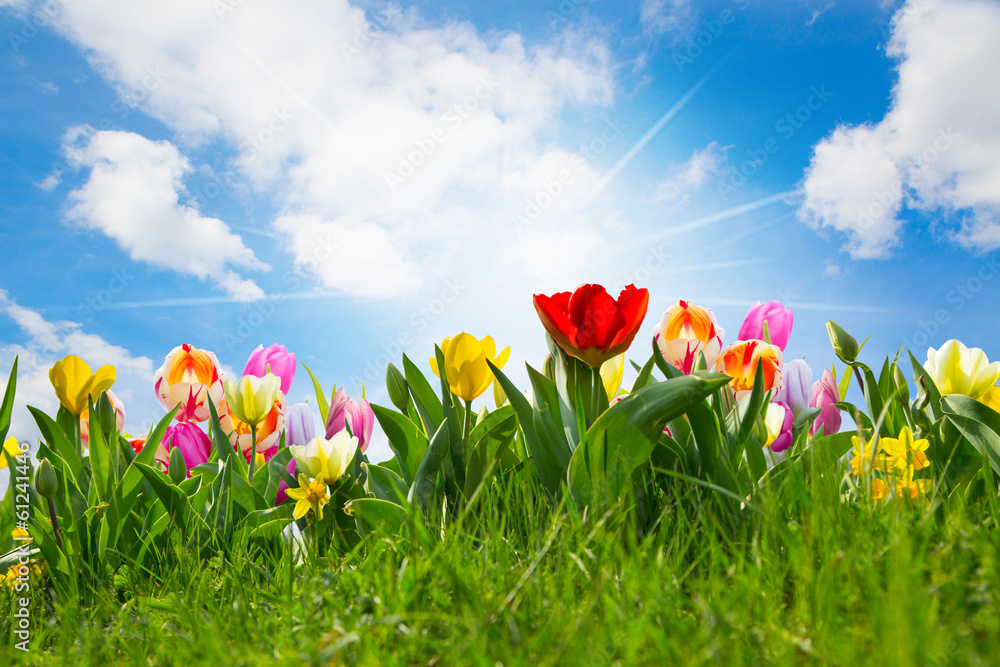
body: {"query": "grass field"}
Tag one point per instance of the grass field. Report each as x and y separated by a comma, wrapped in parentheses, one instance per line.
(809, 580)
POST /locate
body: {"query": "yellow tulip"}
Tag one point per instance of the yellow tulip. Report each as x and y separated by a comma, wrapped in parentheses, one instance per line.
(991, 398)
(74, 383)
(13, 450)
(957, 369)
(612, 372)
(326, 460)
(465, 364)
(252, 398)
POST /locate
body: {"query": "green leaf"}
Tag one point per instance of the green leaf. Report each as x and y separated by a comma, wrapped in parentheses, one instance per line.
(978, 423)
(321, 403)
(424, 398)
(645, 375)
(7, 406)
(425, 481)
(227, 453)
(751, 409)
(385, 484)
(59, 443)
(453, 420)
(406, 440)
(100, 458)
(175, 501)
(551, 454)
(376, 516)
(489, 440)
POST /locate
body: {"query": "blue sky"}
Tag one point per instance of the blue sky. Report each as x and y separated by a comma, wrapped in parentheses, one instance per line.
(216, 174)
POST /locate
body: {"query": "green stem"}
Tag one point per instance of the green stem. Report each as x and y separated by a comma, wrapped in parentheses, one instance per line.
(315, 544)
(55, 522)
(595, 395)
(466, 430)
(79, 440)
(861, 383)
(253, 451)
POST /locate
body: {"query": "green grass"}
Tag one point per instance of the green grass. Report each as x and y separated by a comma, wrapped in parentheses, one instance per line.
(809, 580)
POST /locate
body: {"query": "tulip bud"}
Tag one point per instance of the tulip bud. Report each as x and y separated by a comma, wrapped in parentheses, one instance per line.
(46, 483)
(901, 383)
(499, 395)
(177, 467)
(844, 344)
(105, 414)
(396, 385)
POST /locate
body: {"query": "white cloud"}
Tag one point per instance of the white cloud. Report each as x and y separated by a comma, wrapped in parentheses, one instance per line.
(133, 194)
(389, 130)
(817, 13)
(935, 150)
(689, 176)
(659, 17)
(46, 343)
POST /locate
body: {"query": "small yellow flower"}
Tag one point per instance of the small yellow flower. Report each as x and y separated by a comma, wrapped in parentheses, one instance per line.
(880, 490)
(465, 364)
(74, 383)
(907, 487)
(20, 534)
(861, 461)
(905, 452)
(310, 495)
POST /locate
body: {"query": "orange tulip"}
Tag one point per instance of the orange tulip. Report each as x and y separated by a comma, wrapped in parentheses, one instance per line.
(740, 361)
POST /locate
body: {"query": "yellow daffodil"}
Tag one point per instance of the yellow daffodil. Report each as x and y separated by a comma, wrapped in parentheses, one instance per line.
(12, 448)
(905, 452)
(74, 383)
(326, 460)
(907, 487)
(20, 534)
(862, 455)
(252, 398)
(957, 369)
(880, 490)
(310, 495)
(612, 372)
(465, 364)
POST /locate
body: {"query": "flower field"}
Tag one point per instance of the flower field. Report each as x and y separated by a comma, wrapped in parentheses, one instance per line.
(726, 505)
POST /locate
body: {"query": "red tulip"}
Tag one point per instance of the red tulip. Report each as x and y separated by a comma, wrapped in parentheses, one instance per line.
(591, 326)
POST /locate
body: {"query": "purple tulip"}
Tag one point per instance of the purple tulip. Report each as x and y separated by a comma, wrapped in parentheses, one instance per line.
(779, 323)
(300, 425)
(191, 440)
(825, 393)
(359, 417)
(796, 386)
(278, 359)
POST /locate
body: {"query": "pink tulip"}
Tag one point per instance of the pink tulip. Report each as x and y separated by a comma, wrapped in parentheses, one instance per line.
(779, 323)
(281, 362)
(778, 421)
(359, 417)
(192, 441)
(825, 394)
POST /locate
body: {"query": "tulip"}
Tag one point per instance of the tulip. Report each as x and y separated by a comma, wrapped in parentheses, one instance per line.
(740, 361)
(845, 346)
(46, 482)
(325, 460)
(275, 359)
(991, 399)
(12, 449)
(957, 369)
(76, 386)
(190, 440)
(300, 425)
(824, 396)
(796, 386)
(396, 386)
(119, 409)
(466, 369)
(590, 325)
(252, 398)
(612, 372)
(186, 379)
(358, 416)
(686, 330)
(778, 419)
(779, 323)
(262, 437)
